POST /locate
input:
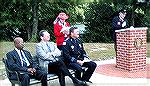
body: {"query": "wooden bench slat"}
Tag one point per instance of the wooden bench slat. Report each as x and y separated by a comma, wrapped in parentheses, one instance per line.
(49, 77)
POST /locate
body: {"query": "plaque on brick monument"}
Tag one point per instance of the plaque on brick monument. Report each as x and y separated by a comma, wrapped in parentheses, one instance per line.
(131, 48)
(138, 43)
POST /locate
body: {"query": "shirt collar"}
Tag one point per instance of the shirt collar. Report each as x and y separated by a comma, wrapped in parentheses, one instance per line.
(44, 42)
(17, 50)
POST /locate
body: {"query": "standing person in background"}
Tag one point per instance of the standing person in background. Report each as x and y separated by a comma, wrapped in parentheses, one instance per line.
(119, 22)
(61, 29)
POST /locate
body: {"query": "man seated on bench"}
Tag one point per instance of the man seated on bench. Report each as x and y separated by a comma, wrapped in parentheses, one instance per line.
(21, 61)
(50, 59)
(76, 56)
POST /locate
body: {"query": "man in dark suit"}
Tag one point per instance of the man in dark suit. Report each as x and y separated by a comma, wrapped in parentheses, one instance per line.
(21, 61)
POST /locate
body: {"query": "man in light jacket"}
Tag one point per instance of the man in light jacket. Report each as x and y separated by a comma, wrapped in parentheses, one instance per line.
(50, 59)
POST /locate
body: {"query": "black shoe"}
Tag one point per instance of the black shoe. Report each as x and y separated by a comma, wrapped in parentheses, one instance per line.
(79, 83)
(89, 81)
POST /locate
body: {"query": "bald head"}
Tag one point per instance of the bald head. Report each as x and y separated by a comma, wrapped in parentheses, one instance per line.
(18, 42)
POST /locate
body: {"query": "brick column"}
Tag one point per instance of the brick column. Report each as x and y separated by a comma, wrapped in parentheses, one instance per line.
(131, 48)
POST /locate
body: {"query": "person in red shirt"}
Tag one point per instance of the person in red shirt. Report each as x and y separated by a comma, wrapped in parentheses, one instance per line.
(61, 29)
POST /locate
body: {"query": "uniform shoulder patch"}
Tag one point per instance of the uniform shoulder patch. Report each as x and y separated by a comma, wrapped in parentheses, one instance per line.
(64, 43)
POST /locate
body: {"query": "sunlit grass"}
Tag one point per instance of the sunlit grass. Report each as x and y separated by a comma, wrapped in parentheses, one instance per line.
(95, 51)
(98, 51)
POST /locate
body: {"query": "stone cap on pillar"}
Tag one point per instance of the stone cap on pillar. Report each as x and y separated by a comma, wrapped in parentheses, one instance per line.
(132, 28)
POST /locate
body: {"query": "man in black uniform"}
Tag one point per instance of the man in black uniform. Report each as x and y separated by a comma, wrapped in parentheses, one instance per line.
(76, 57)
(119, 22)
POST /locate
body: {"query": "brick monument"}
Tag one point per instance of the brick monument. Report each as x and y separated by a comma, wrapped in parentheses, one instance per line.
(131, 48)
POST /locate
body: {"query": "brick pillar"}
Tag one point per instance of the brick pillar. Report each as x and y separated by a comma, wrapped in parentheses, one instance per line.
(131, 48)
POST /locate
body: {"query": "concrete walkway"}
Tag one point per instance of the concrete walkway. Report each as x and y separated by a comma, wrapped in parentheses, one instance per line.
(99, 79)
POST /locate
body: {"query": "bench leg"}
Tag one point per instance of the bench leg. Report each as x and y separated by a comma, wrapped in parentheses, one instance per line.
(12, 84)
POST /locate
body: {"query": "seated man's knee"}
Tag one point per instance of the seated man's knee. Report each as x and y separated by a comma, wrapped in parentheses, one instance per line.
(94, 64)
(76, 67)
(91, 65)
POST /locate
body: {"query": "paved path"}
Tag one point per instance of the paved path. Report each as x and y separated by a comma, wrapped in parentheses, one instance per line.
(103, 80)
(99, 79)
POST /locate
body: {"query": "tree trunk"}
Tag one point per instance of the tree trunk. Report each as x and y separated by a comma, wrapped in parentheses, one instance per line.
(35, 20)
(29, 32)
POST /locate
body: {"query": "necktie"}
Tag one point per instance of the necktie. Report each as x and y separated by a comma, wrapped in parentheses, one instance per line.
(23, 59)
(48, 47)
(54, 59)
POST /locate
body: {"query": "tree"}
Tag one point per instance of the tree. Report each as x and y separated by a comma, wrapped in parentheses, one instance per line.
(13, 19)
(98, 17)
(34, 20)
(26, 18)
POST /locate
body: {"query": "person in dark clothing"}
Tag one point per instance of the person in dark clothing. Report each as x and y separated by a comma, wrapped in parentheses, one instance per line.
(21, 61)
(76, 57)
(119, 22)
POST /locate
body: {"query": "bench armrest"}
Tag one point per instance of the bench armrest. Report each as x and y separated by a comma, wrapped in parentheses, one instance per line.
(8, 72)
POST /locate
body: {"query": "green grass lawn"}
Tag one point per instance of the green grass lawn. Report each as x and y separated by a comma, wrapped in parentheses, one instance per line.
(98, 51)
(95, 51)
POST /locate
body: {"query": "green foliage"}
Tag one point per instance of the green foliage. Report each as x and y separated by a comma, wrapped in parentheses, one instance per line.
(34, 38)
(16, 17)
(147, 23)
(99, 18)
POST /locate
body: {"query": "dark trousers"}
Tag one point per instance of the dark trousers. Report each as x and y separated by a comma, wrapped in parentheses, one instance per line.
(40, 75)
(60, 69)
(86, 73)
(60, 47)
(115, 42)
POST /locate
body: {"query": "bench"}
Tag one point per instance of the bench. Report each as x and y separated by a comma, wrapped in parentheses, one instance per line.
(32, 81)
